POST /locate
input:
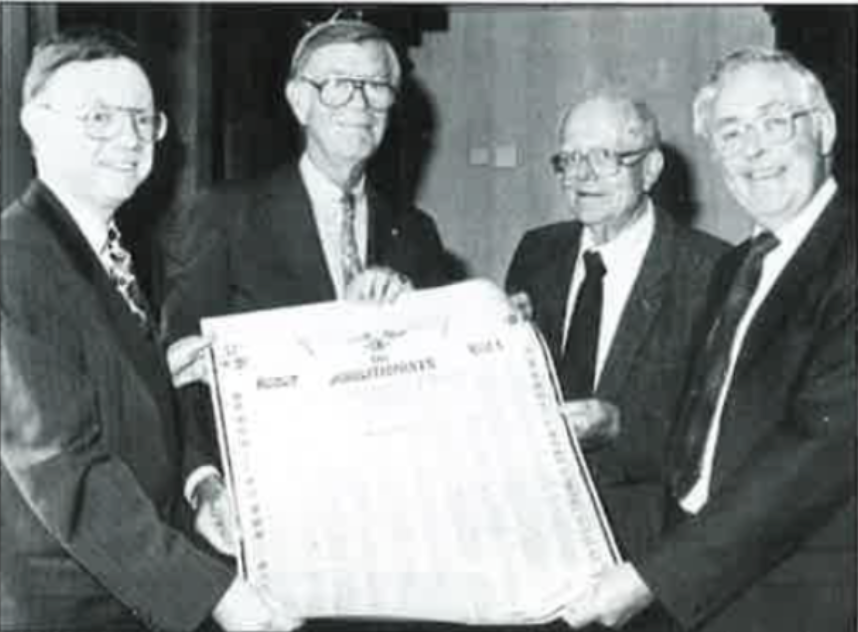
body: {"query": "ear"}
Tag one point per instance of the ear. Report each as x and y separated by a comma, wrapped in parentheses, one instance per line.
(826, 127)
(652, 166)
(299, 98)
(31, 121)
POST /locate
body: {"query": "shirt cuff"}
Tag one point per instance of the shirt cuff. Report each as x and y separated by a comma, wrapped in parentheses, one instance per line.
(196, 477)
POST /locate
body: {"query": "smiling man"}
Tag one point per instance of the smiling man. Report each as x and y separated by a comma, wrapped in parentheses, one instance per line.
(316, 230)
(313, 231)
(622, 357)
(762, 457)
(94, 528)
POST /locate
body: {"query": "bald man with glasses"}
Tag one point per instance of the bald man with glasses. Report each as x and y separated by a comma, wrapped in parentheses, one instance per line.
(615, 290)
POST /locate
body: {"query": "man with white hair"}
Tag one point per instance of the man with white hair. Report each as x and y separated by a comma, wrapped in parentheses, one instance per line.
(622, 379)
(762, 456)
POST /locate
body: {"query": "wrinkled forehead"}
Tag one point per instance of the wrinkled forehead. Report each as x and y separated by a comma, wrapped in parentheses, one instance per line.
(116, 81)
(597, 123)
(754, 89)
(368, 58)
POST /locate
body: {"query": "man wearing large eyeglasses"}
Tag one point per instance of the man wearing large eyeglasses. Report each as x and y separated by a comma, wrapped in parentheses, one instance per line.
(313, 231)
(761, 460)
(317, 229)
(94, 527)
(623, 374)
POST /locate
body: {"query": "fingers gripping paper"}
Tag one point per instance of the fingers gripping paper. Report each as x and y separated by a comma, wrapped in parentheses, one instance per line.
(404, 461)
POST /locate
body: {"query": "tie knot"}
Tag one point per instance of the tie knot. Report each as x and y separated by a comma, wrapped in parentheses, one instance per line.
(593, 264)
(763, 244)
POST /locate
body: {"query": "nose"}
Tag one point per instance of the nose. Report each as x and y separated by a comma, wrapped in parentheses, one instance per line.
(751, 142)
(360, 89)
(581, 170)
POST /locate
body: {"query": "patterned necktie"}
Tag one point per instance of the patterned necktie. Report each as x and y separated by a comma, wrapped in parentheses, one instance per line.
(689, 441)
(350, 262)
(578, 365)
(120, 270)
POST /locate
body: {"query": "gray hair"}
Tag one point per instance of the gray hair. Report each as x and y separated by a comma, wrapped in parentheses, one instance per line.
(74, 45)
(641, 124)
(813, 93)
(342, 32)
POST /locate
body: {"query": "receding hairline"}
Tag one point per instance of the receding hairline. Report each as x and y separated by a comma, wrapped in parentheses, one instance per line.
(341, 33)
(632, 115)
(76, 45)
(812, 92)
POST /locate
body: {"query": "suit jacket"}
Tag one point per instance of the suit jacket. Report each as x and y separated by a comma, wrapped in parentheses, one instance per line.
(645, 365)
(774, 548)
(255, 245)
(92, 456)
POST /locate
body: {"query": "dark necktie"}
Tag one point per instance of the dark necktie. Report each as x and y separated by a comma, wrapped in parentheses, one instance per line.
(350, 263)
(121, 272)
(578, 364)
(710, 370)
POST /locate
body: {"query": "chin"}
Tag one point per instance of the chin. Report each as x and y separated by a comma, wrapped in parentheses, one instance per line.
(119, 193)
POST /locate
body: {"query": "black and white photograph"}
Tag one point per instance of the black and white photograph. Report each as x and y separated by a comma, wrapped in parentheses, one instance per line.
(464, 317)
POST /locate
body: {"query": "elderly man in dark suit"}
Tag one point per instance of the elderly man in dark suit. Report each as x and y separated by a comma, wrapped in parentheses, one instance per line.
(92, 514)
(626, 370)
(762, 457)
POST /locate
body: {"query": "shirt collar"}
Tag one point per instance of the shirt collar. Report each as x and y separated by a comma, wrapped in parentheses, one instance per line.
(320, 187)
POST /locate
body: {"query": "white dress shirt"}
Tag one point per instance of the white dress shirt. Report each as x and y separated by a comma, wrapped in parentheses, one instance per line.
(790, 237)
(623, 257)
(326, 200)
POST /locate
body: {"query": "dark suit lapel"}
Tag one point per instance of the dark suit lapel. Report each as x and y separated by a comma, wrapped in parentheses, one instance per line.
(552, 293)
(642, 306)
(289, 215)
(380, 221)
(792, 284)
(139, 344)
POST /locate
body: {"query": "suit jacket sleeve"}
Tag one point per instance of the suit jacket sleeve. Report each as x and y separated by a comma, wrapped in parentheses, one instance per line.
(795, 480)
(55, 449)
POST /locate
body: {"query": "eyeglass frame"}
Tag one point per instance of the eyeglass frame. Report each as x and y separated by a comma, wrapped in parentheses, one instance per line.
(757, 123)
(620, 159)
(355, 85)
(160, 130)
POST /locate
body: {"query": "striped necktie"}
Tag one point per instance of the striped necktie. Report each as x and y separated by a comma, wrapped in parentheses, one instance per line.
(121, 272)
(350, 261)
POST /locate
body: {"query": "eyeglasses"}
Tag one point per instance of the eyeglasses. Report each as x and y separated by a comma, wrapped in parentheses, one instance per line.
(103, 122)
(603, 162)
(772, 128)
(336, 92)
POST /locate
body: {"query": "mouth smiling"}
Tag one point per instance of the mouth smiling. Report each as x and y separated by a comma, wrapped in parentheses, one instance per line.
(766, 173)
